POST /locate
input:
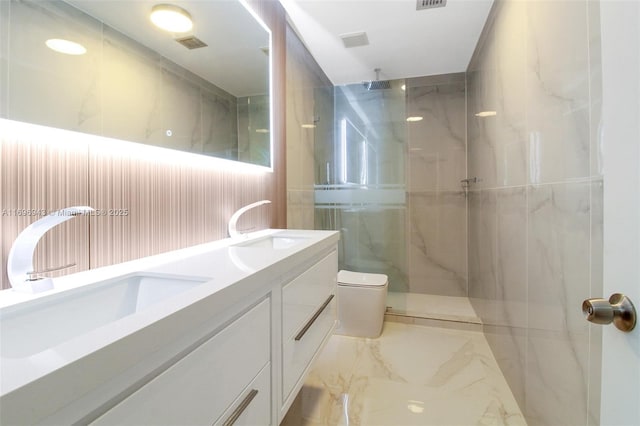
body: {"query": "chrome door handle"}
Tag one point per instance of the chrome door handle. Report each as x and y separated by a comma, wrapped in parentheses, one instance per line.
(618, 309)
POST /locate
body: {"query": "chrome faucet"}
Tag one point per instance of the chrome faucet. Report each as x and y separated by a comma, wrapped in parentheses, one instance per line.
(20, 270)
(233, 222)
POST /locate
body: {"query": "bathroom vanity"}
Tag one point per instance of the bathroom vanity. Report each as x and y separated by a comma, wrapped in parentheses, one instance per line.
(221, 333)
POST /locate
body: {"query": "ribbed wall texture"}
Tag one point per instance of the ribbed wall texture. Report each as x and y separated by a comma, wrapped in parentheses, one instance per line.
(168, 206)
(36, 177)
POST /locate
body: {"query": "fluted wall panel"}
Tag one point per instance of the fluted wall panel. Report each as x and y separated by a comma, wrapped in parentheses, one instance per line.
(37, 178)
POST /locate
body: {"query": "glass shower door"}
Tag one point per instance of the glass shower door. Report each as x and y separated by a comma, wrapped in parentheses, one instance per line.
(360, 181)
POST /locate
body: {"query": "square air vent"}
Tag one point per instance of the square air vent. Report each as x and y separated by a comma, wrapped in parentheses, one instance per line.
(430, 4)
(355, 39)
(191, 42)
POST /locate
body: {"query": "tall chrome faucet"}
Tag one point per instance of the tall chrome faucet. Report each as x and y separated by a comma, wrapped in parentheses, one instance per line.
(22, 276)
(233, 222)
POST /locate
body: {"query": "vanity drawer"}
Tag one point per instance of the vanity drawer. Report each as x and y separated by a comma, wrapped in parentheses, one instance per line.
(305, 294)
(253, 405)
(203, 385)
(299, 349)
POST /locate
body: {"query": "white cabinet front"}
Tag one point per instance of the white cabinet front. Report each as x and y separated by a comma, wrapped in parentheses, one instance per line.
(207, 383)
(309, 312)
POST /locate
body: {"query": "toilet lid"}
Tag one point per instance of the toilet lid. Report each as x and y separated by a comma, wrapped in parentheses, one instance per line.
(361, 279)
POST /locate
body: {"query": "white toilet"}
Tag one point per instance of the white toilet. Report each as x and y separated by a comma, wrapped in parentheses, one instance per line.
(361, 303)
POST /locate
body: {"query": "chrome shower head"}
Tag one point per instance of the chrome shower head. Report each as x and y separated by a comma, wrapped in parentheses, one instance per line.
(377, 83)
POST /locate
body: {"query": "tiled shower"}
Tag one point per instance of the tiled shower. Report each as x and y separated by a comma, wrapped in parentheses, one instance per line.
(394, 187)
(523, 239)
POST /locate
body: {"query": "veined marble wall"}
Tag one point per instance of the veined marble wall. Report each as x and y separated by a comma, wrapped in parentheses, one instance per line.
(535, 214)
(437, 203)
(309, 128)
(170, 204)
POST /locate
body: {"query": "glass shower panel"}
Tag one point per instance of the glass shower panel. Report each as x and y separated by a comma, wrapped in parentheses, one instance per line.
(360, 183)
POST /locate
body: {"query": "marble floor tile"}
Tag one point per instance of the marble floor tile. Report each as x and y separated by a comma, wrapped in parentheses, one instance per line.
(411, 375)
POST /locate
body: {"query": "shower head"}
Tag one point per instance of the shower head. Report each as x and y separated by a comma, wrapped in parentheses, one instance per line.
(377, 83)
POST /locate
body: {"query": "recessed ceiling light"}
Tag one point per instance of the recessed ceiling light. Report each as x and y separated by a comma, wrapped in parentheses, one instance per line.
(308, 126)
(262, 130)
(171, 18)
(65, 46)
(415, 118)
(486, 114)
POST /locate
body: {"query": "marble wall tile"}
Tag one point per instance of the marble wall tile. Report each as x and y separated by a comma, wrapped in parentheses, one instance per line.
(559, 257)
(482, 254)
(482, 97)
(48, 87)
(558, 274)
(438, 241)
(437, 144)
(547, 237)
(436, 163)
(309, 121)
(511, 139)
(511, 257)
(557, 81)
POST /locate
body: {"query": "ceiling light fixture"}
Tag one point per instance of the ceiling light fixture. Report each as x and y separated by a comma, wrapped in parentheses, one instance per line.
(171, 18)
(486, 114)
(415, 118)
(65, 46)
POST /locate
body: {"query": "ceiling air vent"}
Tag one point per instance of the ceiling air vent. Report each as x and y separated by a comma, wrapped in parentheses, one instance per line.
(355, 39)
(430, 4)
(191, 42)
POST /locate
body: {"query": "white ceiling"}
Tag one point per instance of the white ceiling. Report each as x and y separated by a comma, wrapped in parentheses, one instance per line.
(403, 42)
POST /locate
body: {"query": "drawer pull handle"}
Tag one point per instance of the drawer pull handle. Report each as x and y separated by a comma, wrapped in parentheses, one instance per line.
(313, 318)
(240, 409)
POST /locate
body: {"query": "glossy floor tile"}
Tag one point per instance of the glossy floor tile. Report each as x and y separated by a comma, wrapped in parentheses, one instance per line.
(411, 375)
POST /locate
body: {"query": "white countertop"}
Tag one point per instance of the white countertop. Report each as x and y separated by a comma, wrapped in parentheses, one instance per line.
(232, 272)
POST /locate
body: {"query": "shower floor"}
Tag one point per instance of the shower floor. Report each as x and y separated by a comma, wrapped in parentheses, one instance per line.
(410, 375)
(431, 307)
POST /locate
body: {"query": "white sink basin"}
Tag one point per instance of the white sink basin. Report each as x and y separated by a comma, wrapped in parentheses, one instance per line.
(35, 326)
(275, 242)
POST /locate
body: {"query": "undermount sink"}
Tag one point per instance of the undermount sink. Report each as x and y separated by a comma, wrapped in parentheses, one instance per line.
(275, 242)
(35, 326)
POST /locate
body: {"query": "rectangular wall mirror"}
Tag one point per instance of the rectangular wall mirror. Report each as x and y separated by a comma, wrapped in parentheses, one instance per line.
(204, 90)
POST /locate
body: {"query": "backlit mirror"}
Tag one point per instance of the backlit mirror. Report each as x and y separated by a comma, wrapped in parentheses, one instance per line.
(206, 90)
